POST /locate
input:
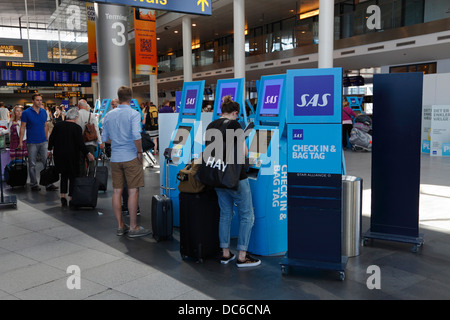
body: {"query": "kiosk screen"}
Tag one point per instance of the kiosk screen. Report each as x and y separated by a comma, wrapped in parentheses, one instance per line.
(182, 135)
(261, 141)
(271, 101)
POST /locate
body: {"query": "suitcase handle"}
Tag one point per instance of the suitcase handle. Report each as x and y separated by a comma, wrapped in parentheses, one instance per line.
(167, 188)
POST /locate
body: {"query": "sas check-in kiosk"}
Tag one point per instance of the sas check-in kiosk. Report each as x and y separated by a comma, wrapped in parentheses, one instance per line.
(268, 169)
(183, 142)
(314, 132)
(135, 106)
(235, 89)
(102, 110)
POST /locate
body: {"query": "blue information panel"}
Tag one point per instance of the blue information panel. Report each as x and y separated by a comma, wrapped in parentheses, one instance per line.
(201, 7)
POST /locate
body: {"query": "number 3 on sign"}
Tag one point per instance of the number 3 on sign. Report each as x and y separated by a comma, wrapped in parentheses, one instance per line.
(119, 26)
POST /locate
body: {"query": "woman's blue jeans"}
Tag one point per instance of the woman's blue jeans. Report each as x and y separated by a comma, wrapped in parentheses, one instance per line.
(242, 197)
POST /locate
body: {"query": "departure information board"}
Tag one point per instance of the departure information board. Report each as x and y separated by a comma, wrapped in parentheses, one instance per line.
(30, 74)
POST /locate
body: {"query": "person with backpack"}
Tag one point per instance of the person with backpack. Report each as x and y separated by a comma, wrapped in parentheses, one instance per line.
(150, 123)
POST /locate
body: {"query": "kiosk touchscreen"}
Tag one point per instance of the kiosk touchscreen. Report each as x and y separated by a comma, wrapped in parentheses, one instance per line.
(183, 142)
(268, 169)
(235, 89)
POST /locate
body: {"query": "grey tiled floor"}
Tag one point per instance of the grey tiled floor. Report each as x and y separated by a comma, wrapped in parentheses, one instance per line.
(39, 240)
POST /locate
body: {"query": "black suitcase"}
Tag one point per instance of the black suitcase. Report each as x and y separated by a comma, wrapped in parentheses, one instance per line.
(85, 192)
(199, 225)
(16, 173)
(101, 173)
(162, 209)
(162, 217)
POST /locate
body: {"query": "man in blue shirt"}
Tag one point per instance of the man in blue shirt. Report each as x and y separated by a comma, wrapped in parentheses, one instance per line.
(122, 128)
(34, 119)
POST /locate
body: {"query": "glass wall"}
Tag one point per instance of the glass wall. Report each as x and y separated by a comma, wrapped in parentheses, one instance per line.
(298, 30)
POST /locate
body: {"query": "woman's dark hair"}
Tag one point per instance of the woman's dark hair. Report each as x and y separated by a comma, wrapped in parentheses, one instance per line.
(229, 106)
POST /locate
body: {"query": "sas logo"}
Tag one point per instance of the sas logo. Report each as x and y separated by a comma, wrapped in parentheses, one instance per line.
(297, 134)
(314, 95)
(191, 97)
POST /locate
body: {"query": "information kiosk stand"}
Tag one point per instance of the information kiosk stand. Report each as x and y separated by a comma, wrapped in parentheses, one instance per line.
(183, 142)
(268, 169)
(314, 133)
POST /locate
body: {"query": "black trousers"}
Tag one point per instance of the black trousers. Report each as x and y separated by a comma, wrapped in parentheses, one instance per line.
(64, 181)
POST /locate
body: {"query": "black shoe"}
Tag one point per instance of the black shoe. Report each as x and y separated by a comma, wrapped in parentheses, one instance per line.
(248, 262)
(35, 188)
(51, 188)
(226, 260)
(64, 202)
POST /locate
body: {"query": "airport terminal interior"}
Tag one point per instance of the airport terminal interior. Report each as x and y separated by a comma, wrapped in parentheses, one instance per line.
(62, 49)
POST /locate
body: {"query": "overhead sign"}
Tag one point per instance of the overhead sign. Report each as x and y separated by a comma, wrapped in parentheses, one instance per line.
(202, 7)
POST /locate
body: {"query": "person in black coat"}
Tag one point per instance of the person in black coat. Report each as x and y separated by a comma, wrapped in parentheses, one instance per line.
(66, 142)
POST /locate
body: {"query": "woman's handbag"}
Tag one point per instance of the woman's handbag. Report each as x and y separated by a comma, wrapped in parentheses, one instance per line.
(220, 172)
(188, 183)
(49, 174)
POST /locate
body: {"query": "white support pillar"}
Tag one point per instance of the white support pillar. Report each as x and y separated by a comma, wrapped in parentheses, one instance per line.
(153, 79)
(326, 33)
(187, 48)
(239, 38)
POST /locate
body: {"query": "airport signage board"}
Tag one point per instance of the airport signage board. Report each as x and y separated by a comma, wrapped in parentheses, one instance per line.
(200, 7)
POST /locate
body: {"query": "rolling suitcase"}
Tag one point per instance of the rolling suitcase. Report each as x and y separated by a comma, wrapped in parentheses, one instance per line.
(199, 225)
(16, 173)
(101, 174)
(85, 192)
(162, 214)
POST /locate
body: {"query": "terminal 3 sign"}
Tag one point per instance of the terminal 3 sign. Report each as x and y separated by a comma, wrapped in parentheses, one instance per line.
(201, 7)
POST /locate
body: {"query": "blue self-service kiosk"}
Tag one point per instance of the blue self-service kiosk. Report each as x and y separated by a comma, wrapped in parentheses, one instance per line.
(97, 105)
(268, 169)
(183, 142)
(314, 132)
(135, 106)
(102, 110)
(235, 89)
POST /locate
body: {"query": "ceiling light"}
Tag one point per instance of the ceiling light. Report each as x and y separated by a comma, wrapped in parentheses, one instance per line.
(309, 14)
